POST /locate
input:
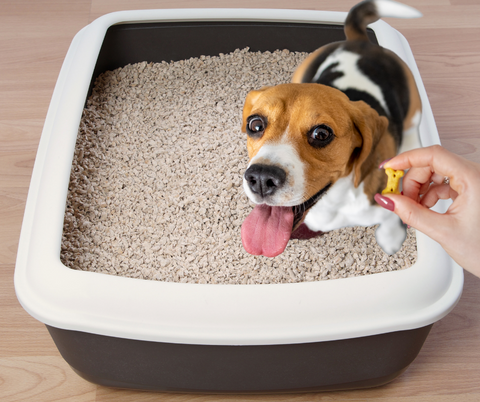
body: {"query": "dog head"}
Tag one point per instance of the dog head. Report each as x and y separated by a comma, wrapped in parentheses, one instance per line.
(301, 138)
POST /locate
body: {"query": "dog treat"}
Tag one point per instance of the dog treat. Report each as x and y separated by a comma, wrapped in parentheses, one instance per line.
(156, 182)
(393, 182)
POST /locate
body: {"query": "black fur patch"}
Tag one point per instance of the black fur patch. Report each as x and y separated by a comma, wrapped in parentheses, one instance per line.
(313, 67)
(383, 70)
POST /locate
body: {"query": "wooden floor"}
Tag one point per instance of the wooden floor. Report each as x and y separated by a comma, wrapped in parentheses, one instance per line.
(34, 38)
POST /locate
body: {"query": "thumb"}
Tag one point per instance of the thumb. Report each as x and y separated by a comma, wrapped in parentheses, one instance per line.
(417, 216)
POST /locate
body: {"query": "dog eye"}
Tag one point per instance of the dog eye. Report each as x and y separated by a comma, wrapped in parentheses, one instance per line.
(320, 136)
(256, 125)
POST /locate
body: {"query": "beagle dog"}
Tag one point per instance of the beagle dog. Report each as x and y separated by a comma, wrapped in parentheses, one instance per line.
(315, 144)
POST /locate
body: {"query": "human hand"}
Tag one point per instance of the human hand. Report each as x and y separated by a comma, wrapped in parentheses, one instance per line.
(458, 229)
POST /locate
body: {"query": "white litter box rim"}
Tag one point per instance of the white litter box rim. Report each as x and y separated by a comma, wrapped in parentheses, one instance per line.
(209, 314)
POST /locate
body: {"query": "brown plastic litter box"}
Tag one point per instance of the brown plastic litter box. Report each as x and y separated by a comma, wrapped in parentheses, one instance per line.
(122, 332)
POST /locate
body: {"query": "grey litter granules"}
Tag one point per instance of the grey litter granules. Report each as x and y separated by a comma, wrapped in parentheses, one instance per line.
(156, 182)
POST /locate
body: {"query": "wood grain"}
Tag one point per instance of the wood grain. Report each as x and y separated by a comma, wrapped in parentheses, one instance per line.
(34, 38)
(42, 378)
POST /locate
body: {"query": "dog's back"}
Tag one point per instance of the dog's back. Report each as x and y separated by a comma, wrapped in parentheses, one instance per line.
(367, 72)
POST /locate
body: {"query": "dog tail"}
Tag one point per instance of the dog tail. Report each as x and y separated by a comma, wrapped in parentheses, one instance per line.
(369, 11)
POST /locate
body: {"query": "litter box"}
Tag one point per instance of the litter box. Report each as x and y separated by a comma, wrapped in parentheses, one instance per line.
(121, 332)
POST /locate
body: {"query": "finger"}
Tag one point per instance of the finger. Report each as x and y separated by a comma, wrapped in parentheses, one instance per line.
(416, 182)
(429, 222)
(437, 159)
(437, 192)
(423, 189)
(437, 179)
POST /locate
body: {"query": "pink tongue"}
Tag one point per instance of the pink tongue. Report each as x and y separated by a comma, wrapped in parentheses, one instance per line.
(266, 230)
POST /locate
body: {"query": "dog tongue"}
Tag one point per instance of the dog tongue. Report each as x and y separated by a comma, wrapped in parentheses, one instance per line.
(266, 230)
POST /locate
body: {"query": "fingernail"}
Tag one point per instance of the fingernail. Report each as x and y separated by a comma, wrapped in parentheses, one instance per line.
(385, 202)
(383, 163)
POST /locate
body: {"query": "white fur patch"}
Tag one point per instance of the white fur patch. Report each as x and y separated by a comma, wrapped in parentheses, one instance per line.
(283, 155)
(344, 205)
(352, 77)
(411, 137)
(391, 234)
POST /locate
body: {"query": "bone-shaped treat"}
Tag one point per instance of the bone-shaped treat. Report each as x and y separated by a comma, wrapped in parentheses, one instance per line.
(393, 181)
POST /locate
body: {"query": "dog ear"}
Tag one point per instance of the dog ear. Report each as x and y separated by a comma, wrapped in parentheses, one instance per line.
(250, 100)
(371, 127)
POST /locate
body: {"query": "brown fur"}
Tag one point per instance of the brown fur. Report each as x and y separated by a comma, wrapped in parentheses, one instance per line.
(293, 109)
(301, 71)
(376, 180)
(415, 101)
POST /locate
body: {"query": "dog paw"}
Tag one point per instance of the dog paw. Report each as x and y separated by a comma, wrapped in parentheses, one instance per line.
(390, 235)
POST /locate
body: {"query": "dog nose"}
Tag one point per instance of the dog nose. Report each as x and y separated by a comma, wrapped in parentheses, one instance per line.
(265, 179)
